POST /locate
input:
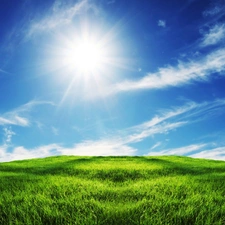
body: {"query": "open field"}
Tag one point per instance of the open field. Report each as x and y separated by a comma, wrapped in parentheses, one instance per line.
(112, 190)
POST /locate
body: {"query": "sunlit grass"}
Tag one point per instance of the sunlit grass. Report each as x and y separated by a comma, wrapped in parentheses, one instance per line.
(112, 190)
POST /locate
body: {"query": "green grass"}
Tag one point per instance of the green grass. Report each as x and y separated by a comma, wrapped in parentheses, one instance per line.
(112, 190)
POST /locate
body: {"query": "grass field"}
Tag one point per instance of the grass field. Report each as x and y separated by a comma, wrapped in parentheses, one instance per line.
(112, 190)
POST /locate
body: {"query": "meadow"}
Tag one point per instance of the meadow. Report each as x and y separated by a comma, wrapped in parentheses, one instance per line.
(66, 190)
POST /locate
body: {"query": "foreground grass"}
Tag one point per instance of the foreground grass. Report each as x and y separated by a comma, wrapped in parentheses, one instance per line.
(112, 190)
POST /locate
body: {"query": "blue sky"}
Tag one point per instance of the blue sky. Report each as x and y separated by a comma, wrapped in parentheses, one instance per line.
(111, 77)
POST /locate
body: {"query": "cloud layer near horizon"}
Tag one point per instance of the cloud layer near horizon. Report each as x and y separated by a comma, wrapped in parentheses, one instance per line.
(121, 143)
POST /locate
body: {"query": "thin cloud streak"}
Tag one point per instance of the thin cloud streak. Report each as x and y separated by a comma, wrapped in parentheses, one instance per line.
(218, 10)
(156, 145)
(18, 116)
(213, 11)
(185, 150)
(183, 73)
(189, 111)
(13, 118)
(215, 35)
(148, 132)
(58, 17)
(214, 153)
(172, 119)
(4, 72)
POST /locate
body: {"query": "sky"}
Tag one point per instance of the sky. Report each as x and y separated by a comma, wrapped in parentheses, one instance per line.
(112, 78)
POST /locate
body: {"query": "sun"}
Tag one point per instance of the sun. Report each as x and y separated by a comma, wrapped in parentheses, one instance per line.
(85, 56)
(85, 62)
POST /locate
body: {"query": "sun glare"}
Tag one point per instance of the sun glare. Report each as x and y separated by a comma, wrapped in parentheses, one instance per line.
(86, 62)
(85, 56)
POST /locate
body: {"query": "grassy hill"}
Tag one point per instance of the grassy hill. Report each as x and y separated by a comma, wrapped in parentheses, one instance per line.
(112, 190)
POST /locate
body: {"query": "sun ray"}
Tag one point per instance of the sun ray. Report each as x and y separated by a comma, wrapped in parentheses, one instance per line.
(86, 61)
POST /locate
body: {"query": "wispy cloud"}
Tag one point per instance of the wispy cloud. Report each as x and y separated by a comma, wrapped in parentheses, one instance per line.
(156, 145)
(162, 23)
(214, 36)
(118, 144)
(174, 118)
(3, 71)
(211, 12)
(8, 133)
(13, 118)
(19, 116)
(113, 145)
(59, 15)
(20, 152)
(213, 153)
(185, 150)
(215, 9)
(192, 112)
(145, 132)
(121, 142)
(183, 73)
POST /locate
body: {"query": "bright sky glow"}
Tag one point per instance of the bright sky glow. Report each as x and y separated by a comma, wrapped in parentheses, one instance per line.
(86, 56)
(112, 78)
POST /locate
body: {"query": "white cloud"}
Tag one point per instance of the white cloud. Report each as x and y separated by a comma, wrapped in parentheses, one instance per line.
(119, 143)
(99, 148)
(217, 9)
(214, 153)
(116, 145)
(156, 145)
(13, 119)
(3, 71)
(194, 111)
(215, 35)
(4, 121)
(163, 128)
(172, 119)
(8, 133)
(183, 73)
(59, 16)
(20, 152)
(179, 151)
(162, 23)
(19, 116)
